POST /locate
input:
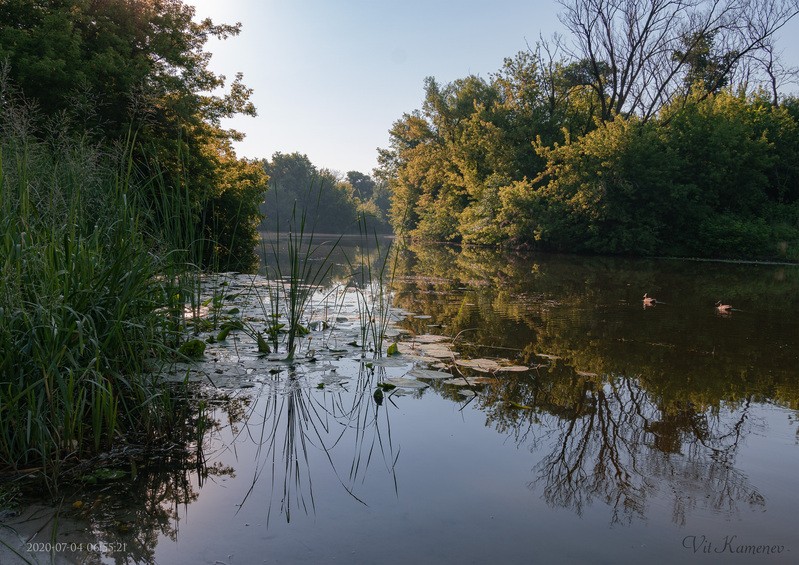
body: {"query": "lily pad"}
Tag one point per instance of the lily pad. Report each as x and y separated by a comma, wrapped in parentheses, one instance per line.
(430, 338)
(513, 369)
(401, 382)
(461, 381)
(428, 374)
(439, 351)
(388, 362)
(481, 365)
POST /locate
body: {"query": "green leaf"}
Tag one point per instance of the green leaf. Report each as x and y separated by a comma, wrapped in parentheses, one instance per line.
(194, 348)
(263, 347)
(393, 349)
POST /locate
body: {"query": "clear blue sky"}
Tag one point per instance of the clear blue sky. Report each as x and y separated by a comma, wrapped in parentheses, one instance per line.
(331, 76)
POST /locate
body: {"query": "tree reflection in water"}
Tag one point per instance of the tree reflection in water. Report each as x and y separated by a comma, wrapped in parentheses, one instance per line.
(615, 445)
(675, 428)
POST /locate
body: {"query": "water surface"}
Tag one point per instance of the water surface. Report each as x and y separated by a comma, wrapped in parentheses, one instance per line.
(661, 434)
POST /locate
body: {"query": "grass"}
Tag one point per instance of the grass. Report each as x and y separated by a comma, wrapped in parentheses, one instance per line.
(373, 284)
(295, 280)
(90, 292)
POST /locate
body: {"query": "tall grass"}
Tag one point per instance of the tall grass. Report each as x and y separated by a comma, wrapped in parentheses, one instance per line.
(373, 282)
(84, 300)
(296, 279)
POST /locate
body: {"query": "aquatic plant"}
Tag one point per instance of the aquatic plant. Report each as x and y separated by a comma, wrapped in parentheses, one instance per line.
(90, 293)
(295, 281)
(373, 281)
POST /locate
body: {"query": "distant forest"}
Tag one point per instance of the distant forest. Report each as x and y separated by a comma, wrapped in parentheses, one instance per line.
(332, 203)
(666, 137)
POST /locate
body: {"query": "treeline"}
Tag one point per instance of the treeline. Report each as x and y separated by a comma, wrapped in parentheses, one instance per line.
(136, 74)
(332, 203)
(665, 138)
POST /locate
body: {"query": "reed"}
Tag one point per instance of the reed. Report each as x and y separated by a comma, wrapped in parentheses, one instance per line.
(297, 277)
(374, 269)
(86, 298)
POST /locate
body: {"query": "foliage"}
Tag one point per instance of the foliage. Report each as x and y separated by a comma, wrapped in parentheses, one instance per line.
(116, 67)
(335, 205)
(85, 304)
(531, 158)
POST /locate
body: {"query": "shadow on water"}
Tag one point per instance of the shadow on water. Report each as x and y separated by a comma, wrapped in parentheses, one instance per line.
(660, 418)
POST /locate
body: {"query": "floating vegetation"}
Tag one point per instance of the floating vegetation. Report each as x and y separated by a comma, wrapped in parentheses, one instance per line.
(481, 365)
(428, 374)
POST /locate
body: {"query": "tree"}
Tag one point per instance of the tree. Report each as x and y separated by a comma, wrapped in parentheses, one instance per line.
(331, 205)
(639, 53)
(139, 66)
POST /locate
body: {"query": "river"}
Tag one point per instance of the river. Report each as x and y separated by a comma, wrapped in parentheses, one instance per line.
(537, 411)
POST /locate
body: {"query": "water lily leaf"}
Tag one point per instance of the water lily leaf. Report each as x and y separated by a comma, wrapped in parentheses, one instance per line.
(437, 350)
(430, 338)
(393, 349)
(400, 382)
(388, 362)
(461, 381)
(482, 365)
(263, 347)
(428, 374)
(513, 369)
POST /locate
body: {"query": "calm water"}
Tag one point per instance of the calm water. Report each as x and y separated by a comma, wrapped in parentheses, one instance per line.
(662, 435)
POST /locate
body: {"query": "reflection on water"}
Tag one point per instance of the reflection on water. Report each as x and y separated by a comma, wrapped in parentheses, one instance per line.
(634, 428)
(289, 418)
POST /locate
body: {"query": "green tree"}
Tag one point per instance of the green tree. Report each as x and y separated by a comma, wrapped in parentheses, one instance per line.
(140, 66)
(332, 205)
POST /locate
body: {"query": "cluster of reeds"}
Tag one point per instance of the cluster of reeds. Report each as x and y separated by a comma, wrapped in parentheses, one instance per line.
(86, 297)
(295, 280)
(300, 263)
(373, 274)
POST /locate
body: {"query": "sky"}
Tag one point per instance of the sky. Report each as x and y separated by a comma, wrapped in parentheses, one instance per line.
(330, 77)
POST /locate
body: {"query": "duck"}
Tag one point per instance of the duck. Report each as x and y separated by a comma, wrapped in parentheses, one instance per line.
(724, 308)
(649, 301)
